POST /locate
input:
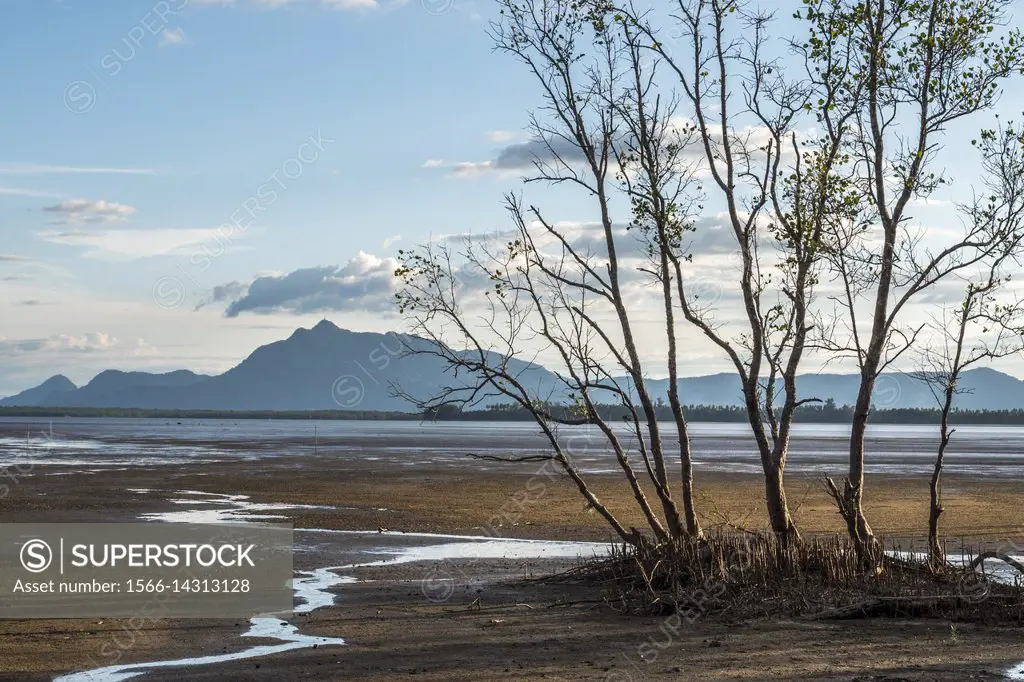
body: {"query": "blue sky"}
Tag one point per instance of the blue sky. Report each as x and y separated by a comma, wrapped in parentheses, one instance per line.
(135, 132)
(174, 131)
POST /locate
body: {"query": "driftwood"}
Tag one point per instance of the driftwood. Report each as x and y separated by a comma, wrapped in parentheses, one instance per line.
(525, 458)
(1005, 558)
(885, 606)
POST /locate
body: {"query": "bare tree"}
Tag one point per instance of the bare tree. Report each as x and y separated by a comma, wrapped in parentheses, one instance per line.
(602, 130)
(781, 189)
(798, 206)
(988, 323)
(609, 129)
(914, 69)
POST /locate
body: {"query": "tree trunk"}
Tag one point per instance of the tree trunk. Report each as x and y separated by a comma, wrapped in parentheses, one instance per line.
(775, 491)
(857, 523)
(778, 509)
(935, 554)
(689, 509)
(689, 513)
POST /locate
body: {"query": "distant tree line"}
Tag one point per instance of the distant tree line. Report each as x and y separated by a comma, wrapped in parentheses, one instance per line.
(824, 413)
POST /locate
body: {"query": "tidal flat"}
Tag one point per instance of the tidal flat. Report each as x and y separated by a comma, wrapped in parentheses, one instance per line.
(412, 558)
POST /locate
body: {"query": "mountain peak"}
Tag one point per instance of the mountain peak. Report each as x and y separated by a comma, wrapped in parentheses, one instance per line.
(326, 325)
(59, 382)
(323, 329)
(56, 385)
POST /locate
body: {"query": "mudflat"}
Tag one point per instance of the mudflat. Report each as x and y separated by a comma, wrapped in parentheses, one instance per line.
(530, 501)
(494, 624)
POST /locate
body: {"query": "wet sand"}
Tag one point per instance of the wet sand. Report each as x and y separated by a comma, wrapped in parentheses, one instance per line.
(493, 626)
(532, 501)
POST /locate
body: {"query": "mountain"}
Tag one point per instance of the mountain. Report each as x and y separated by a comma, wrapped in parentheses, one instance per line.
(981, 389)
(113, 388)
(54, 386)
(322, 368)
(327, 368)
(331, 368)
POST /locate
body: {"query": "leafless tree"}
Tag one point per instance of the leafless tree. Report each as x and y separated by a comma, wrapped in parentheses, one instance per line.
(988, 323)
(625, 116)
(603, 130)
(781, 188)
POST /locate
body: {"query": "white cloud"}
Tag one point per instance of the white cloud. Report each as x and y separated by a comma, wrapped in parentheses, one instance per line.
(83, 211)
(86, 343)
(25, 362)
(21, 192)
(172, 36)
(270, 4)
(135, 244)
(472, 169)
(932, 202)
(7, 168)
(392, 240)
(515, 158)
(433, 163)
(501, 135)
(226, 293)
(365, 283)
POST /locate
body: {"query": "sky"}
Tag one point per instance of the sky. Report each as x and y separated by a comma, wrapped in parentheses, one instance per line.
(124, 152)
(177, 177)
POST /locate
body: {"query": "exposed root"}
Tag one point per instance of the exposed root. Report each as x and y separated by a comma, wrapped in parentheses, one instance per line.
(744, 576)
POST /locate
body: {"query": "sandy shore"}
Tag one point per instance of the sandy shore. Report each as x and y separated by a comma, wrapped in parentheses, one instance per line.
(493, 626)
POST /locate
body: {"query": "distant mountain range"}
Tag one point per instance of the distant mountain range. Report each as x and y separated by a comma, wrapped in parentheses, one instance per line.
(327, 368)
(322, 368)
